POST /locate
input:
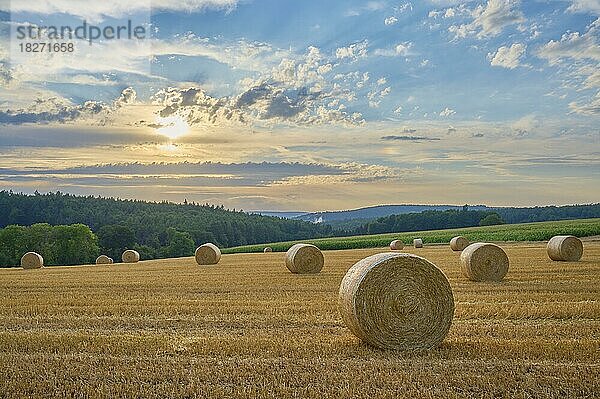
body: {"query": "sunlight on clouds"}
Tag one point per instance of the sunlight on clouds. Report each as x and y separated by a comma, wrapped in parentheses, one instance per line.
(172, 126)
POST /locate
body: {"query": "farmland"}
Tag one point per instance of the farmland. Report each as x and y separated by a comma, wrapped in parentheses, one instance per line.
(540, 231)
(248, 328)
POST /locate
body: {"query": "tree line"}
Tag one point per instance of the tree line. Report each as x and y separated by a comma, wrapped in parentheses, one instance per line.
(429, 220)
(155, 230)
(59, 245)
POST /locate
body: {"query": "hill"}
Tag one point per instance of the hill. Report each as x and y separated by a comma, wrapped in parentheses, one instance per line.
(355, 219)
(374, 212)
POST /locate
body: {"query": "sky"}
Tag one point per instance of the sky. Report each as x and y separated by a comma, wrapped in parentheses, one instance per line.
(307, 105)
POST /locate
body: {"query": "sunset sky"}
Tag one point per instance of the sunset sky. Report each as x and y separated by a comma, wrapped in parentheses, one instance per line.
(309, 105)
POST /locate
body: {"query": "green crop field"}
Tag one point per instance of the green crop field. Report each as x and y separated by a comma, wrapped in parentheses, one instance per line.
(541, 231)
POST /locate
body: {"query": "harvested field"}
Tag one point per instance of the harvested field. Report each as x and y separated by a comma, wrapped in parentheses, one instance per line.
(249, 328)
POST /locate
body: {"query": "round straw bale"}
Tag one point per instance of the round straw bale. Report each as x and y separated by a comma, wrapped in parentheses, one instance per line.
(268, 249)
(459, 243)
(418, 243)
(397, 301)
(484, 262)
(208, 254)
(130, 256)
(565, 248)
(103, 260)
(396, 245)
(304, 259)
(32, 260)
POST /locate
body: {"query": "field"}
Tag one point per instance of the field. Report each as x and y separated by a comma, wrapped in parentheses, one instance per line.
(248, 328)
(541, 231)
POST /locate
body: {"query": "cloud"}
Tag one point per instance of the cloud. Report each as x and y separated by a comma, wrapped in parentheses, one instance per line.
(446, 112)
(408, 138)
(579, 55)
(59, 110)
(585, 6)
(591, 108)
(353, 52)
(400, 50)
(99, 10)
(391, 20)
(201, 174)
(508, 57)
(573, 45)
(271, 102)
(490, 19)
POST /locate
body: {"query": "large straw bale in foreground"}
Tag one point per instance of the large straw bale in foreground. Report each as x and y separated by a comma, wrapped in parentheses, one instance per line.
(396, 245)
(397, 301)
(208, 254)
(304, 259)
(484, 262)
(565, 248)
(459, 243)
(130, 256)
(32, 260)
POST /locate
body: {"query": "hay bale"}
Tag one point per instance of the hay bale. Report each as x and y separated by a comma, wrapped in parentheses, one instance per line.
(459, 243)
(130, 256)
(208, 254)
(565, 248)
(103, 260)
(304, 259)
(484, 262)
(397, 301)
(32, 260)
(268, 249)
(396, 245)
(418, 243)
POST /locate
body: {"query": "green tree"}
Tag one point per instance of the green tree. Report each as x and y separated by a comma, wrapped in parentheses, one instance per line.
(180, 244)
(114, 239)
(491, 220)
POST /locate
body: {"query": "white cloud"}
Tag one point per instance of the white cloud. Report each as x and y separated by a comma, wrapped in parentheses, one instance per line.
(446, 112)
(353, 51)
(578, 54)
(490, 19)
(508, 57)
(573, 45)
(591, 108)
(401, 50)
(97, 10)
(390, 20)
(584, 6)
(60, 110)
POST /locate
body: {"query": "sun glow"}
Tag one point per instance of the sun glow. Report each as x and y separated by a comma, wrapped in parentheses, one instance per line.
(172, 126)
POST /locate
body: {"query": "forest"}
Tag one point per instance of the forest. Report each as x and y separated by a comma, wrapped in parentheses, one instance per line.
(68, 229)
(155, 230)
(429, 220)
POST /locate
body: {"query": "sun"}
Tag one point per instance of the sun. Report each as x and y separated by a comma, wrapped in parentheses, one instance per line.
(172, 126)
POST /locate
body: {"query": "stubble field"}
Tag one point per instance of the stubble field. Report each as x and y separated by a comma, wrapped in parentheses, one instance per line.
(248, 328)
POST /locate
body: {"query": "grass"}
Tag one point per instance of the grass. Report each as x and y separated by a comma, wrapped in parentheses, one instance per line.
(248, 328)
(541, 231)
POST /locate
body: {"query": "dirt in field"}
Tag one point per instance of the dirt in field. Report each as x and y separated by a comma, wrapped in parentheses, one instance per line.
(247, 328)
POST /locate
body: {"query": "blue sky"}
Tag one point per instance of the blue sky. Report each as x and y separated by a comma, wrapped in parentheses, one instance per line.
(493, 102)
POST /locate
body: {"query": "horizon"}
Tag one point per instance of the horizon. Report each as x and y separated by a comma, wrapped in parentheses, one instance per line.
(271, 105)
(256, 211)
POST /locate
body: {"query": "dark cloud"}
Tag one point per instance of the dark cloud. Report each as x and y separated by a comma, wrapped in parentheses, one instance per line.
(408, 138)
(173, 174)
